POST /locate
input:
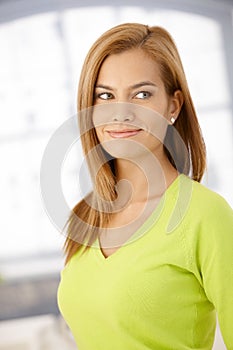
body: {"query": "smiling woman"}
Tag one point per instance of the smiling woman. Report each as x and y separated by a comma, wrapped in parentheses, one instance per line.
(148, 250)
(137, 80)
(42, 49)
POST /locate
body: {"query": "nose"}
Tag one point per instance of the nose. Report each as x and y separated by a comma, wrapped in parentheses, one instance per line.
(123, 113)
(122, 118)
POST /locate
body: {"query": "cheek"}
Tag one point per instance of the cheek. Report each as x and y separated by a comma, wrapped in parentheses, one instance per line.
(161, 104)
(157, 125)
(158, 130)
(99, 134)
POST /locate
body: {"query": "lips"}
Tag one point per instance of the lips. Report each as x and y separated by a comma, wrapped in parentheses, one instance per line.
(123, 133)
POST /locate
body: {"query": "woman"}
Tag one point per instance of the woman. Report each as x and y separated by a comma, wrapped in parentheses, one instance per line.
(149, 251)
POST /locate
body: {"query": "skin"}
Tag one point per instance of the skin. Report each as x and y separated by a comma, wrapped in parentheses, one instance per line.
(129, 87)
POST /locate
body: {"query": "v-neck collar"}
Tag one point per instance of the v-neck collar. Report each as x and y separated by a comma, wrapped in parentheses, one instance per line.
(144, 228)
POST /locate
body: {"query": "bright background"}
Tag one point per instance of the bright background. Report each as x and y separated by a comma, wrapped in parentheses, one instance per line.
(42, 48)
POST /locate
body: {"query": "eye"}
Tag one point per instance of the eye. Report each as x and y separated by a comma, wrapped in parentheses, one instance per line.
(143, 95)
(105, 96)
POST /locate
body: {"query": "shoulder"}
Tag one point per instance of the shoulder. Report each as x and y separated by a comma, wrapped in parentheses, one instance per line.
(203, 200)
(206, 228)
(207, 213)
(197, 208)
(194, 204)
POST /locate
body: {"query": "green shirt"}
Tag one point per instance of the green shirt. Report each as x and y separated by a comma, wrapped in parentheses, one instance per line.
(162, 289)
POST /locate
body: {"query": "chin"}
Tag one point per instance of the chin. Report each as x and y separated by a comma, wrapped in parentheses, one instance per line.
(128, 149)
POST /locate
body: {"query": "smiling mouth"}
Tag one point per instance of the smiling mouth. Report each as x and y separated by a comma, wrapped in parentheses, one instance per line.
(117, 134)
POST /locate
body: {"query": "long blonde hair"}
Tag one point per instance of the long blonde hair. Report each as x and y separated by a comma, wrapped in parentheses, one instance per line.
(94, 211)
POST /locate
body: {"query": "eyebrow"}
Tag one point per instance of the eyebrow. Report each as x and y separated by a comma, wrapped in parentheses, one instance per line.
(135, 86)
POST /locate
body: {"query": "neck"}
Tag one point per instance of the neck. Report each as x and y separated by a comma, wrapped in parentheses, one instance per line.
(144, 180)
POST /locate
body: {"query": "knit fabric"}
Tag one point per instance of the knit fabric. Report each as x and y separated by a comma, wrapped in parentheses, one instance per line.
(161, 290)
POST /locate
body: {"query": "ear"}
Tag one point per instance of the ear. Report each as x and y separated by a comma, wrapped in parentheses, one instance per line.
(175, 105)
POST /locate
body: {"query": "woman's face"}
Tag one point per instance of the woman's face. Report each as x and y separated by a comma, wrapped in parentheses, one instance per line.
(132, 104)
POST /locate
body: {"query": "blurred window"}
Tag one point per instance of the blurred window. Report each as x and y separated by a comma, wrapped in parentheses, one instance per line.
(41, 58)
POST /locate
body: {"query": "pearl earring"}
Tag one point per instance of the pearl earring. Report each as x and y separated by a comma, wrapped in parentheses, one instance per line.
(173, 120)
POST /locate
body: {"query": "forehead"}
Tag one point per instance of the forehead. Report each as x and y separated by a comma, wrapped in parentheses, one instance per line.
(128, 66)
